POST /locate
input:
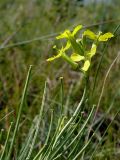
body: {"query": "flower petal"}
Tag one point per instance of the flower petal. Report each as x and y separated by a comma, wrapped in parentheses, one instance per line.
(86, 65)
(67, 46)
(64, 34)
(78, 40)
(54, 47)
(92, 51)
(90, 34)
(54, 57)
(105, 36)
(76, 29)
(76, 57)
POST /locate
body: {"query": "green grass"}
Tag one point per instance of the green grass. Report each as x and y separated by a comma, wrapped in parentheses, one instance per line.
(59, 128)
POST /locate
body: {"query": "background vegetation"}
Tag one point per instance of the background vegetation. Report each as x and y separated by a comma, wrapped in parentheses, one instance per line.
(27, 34)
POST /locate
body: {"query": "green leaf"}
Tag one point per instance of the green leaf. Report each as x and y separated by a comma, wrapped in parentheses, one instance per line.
(105, 36)
(54, 57)
(76, 57)
(86, 65)
(92, 51)
(90, 34)
(76, 29)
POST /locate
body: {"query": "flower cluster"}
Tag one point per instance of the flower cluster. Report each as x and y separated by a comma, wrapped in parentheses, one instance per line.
(79, 47)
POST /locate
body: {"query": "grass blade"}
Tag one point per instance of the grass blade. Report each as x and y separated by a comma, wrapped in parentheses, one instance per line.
(38, 124)
(19, 112)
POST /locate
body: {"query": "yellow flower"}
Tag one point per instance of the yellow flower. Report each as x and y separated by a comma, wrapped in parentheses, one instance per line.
(79, 47)
(86, 58)
(61, 53)
(68, 33)
(98, 37)
(70, 36)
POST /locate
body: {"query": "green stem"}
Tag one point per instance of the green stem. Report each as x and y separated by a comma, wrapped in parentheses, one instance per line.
(70, 61)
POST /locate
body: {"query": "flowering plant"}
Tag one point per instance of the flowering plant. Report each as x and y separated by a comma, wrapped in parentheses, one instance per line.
(79, 47)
